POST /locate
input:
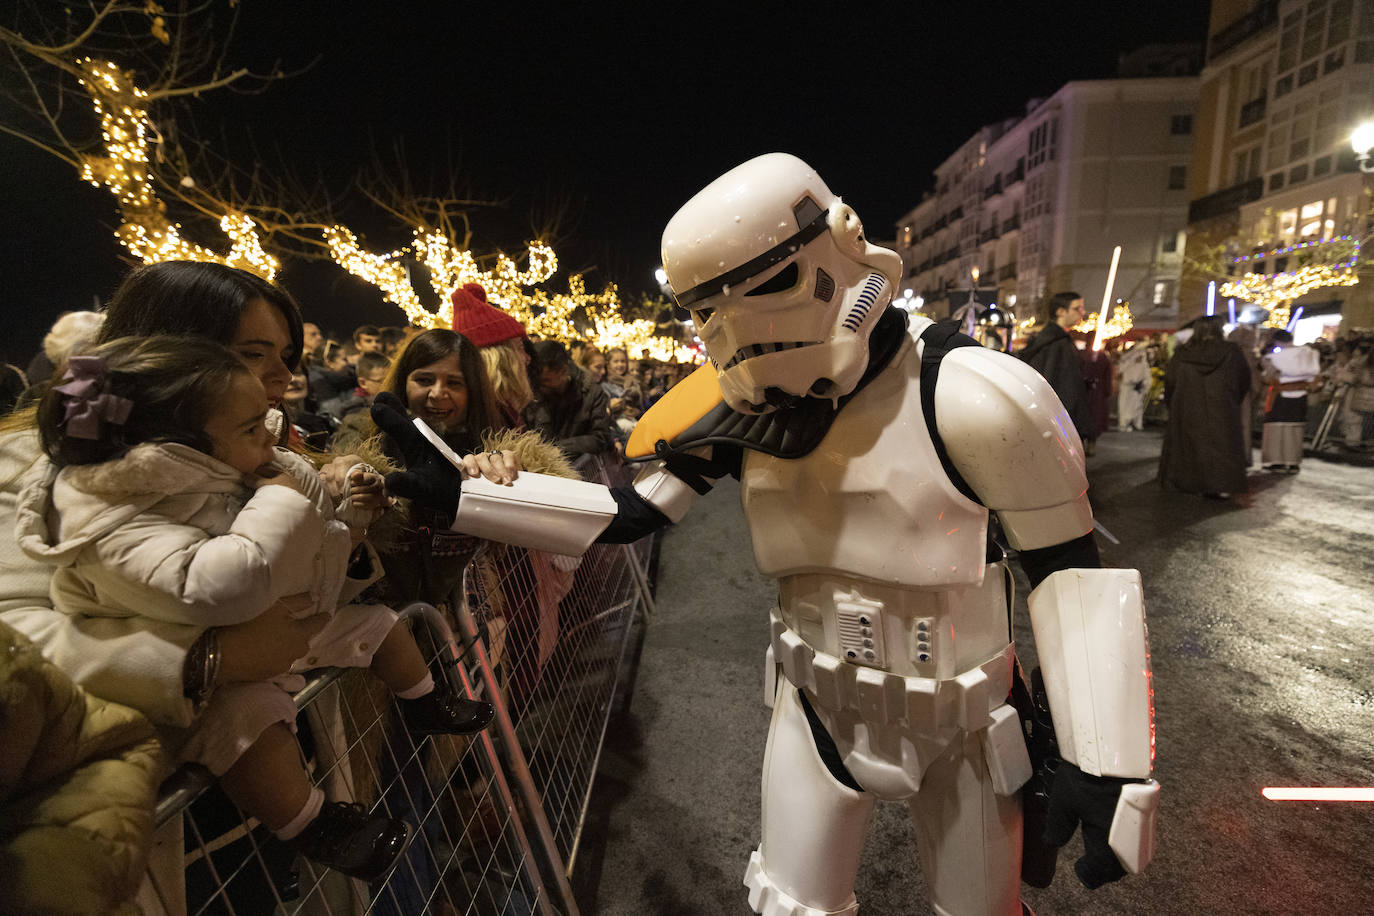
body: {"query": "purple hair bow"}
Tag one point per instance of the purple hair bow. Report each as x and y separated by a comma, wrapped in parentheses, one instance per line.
(89, 407)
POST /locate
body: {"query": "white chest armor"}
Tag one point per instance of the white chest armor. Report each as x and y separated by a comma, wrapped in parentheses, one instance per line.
(871, 501)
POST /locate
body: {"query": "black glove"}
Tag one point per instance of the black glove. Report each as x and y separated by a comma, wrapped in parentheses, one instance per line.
(1078, 796)
(429, 480)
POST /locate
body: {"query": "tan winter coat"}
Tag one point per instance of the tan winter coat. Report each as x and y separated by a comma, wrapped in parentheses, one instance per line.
(78, 779)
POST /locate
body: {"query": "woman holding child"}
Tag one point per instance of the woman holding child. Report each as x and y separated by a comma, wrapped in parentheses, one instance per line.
(169, 664)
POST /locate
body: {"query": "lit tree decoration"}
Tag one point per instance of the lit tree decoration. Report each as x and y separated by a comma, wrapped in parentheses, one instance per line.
(1119, 322)
(124, 169)
(553, 316)
(1277, 291)
(449, 268)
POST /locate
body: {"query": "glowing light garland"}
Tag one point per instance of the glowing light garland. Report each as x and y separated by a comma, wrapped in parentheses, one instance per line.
(1118, 324)
(150, 236)
(1291, 248)
(1277, 291)
(546, 315)
(145, 229)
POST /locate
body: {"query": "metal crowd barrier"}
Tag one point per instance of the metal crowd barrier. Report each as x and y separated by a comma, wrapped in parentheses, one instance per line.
(497, 817)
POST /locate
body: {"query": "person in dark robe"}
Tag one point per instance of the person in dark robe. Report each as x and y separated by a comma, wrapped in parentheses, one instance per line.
(1205, 385)
(1097, 375)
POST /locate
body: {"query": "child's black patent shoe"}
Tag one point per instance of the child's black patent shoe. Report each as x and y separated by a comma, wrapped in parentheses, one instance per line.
(352, 840)
(441, 712)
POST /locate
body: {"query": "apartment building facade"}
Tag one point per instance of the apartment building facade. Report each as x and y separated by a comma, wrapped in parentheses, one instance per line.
(1037, 203)
(1275, 187)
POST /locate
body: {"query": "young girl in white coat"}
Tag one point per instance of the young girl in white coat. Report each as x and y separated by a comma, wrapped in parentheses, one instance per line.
(164, 498)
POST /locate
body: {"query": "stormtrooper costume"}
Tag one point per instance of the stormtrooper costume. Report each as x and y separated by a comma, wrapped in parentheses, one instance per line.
(871, 450)
(1134, 367)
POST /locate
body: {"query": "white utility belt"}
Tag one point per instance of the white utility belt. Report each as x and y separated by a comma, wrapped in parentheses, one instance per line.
(924, 703)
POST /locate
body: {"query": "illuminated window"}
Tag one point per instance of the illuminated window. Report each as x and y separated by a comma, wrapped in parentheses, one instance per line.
(1311, 220)
(1288, 226)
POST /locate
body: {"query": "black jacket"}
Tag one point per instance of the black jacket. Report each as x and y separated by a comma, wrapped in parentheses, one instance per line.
(1052, 353)
(578, 421)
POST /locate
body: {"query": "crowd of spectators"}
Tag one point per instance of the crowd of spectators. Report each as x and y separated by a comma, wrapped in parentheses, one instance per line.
(491, 392)
(582, 399)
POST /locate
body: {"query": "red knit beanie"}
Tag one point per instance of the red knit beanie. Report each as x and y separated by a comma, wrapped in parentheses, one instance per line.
(479, 322)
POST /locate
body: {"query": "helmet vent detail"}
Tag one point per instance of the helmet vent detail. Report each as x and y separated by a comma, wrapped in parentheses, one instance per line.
(825, 285)
(806, 211)
(862, 305)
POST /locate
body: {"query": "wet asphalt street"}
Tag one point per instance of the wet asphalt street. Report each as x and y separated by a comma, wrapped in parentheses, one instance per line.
(1261, 618)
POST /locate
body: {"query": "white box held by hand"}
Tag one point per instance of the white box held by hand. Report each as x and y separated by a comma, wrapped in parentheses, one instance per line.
(538, 511)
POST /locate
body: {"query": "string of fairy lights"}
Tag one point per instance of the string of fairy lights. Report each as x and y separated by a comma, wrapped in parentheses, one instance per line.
(145, 229)
(150, 236)
(1277, 291)
(1118, 323)
(552, 316)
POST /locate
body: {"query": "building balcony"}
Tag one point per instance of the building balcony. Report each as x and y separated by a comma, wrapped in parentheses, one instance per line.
(1012, 225)
(1007, 271)
(993, 189)
(1016, 174)
(1260, 19)
(989, 235)
(1225, 201)
(1252, 111)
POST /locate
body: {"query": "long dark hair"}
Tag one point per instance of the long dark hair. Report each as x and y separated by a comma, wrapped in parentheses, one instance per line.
(172, 385)
(436, 344)
(195, 299)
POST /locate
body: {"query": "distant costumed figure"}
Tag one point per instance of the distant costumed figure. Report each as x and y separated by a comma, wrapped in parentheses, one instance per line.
(1205, 386)
(1289, 369)
(1134, 385)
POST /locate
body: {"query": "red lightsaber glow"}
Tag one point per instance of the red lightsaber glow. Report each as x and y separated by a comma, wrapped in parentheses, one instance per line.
(1304, 793)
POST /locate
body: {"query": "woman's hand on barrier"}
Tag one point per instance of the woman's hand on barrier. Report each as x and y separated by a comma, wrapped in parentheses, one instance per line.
(267, 645)
(498, 467)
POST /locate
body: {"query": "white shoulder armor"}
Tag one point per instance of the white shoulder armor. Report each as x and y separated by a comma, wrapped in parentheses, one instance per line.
(1012, 440)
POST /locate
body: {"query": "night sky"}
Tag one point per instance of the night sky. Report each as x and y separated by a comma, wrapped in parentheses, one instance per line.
(616, 113)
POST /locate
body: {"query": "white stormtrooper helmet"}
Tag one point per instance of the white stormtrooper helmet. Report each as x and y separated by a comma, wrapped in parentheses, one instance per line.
(780, 282)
